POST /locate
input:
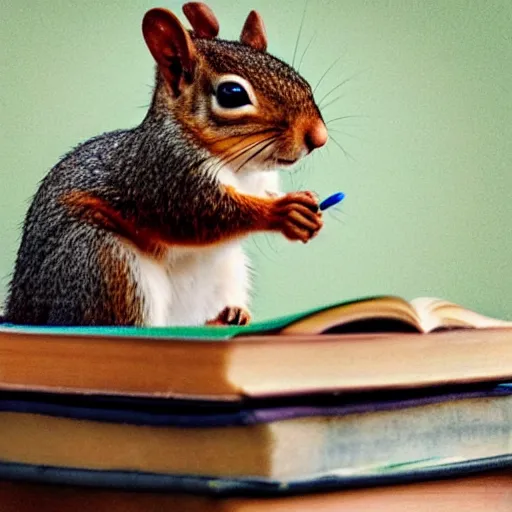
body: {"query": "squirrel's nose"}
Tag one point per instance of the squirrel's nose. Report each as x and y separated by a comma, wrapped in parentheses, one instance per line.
(316, 135)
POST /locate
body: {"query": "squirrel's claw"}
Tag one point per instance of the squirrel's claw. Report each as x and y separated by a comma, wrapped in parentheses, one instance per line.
(231, 315)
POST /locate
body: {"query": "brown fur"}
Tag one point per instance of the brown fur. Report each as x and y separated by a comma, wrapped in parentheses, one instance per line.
(98, 212)
(127, 308)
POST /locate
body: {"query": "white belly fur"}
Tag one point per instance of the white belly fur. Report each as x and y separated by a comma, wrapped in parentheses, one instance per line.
(193, 285)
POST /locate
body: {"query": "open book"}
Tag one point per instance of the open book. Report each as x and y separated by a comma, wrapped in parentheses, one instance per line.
(377, 314)
(390, 313)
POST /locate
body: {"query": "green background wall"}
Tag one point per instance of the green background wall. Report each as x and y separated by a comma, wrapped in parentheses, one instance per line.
(428, 183)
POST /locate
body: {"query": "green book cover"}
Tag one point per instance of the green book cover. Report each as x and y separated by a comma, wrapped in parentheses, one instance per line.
(273, 325)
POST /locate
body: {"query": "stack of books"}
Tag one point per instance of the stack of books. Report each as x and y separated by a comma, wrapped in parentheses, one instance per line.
(373, 403)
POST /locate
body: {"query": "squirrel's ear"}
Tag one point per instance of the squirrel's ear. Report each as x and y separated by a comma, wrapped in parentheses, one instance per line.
(171, 47)
(254, 34)
(202, 19)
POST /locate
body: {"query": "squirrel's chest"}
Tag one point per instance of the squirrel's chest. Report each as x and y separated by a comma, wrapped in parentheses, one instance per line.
(188, 287)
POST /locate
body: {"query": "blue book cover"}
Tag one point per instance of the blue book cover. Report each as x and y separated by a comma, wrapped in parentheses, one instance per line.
(194, 413)
(418, 471)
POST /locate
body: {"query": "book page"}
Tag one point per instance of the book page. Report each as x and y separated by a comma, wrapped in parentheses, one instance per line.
(438, 313)
(372, 309)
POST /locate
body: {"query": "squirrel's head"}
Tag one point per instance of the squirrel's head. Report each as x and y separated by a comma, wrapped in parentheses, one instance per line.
(238, 101)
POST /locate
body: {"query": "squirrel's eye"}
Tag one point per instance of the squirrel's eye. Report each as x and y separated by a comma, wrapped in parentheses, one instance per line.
(232, 95)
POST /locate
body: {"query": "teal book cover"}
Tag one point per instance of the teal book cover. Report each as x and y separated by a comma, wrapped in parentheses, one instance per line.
(212, 332)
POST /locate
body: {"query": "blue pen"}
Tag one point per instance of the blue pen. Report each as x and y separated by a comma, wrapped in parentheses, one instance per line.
(332, 200)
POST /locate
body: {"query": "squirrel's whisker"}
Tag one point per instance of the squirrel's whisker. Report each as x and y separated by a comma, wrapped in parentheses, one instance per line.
(345, 152)
(342, 83)
(299, 33)
(220, 157)
(254, 155)
(329, 103)
(325, 96)
(243, 135)
(347, 134)
(239, 154)
(230, 155)
(231, 151)
(305, 50)
(243, 139)
(325, 74)
(234, 156)
(342, 118)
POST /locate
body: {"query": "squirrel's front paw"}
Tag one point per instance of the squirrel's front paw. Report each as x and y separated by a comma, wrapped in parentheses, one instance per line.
(231, 315)
(297, 216)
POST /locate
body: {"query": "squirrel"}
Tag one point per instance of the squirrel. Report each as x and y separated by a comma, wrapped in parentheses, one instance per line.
(144, 226)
